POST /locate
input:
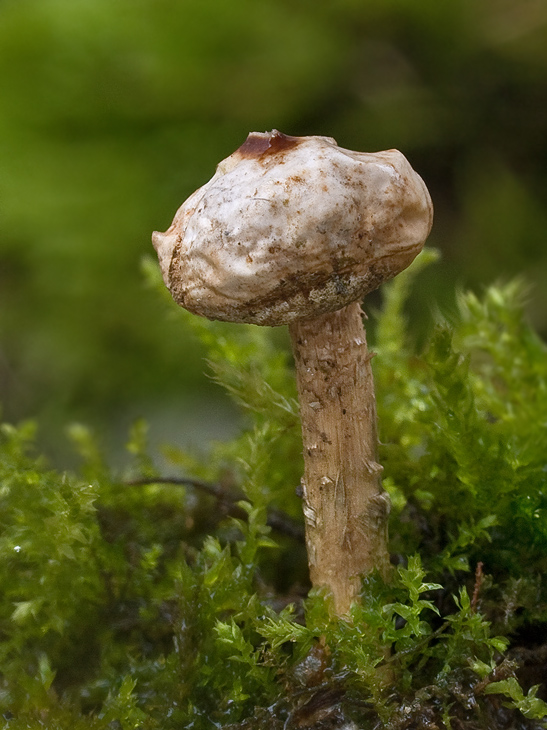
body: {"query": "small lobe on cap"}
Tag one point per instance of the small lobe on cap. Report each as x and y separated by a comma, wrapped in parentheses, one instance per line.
(258, 144)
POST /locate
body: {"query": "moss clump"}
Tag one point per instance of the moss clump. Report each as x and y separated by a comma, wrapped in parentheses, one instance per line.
(152, 600)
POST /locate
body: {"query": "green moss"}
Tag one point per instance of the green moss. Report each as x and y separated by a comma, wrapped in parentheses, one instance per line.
(135, 601)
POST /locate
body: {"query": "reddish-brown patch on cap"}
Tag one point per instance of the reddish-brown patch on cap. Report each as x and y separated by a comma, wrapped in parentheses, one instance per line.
(258, 144)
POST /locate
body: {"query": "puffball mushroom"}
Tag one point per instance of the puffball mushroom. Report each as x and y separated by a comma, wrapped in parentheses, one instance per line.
(296, 230)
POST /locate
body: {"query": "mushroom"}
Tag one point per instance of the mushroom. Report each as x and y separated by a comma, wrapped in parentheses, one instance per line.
(296, 231)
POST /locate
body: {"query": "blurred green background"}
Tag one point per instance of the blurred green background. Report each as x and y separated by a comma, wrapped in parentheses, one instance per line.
(113, 111)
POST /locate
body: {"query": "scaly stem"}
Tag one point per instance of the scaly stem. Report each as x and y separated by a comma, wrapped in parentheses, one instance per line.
(345, 507)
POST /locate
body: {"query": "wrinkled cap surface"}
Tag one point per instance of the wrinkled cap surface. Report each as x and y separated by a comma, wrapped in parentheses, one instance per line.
(293, 227)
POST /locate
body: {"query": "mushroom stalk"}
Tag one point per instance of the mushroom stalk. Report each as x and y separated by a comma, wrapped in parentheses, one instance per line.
(345, 507)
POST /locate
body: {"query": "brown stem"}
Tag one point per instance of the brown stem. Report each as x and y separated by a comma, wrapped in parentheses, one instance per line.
(276, 519)
(345, 507)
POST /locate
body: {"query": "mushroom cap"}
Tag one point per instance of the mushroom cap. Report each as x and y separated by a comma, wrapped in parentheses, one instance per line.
(291, 228)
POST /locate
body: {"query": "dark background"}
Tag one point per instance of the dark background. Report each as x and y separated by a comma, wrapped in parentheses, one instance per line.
(113, 111)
